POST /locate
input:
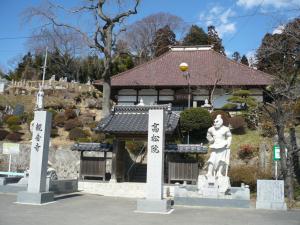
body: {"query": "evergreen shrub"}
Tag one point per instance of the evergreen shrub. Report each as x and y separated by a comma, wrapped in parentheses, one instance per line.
(196, 121)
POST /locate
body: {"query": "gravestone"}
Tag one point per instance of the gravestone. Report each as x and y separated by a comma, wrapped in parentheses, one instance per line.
(36, 192)
(154, 202)
(270, 195)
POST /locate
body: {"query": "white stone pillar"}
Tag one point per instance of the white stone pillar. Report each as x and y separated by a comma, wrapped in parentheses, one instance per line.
(36, 191)
(155, 155)
(154, 201)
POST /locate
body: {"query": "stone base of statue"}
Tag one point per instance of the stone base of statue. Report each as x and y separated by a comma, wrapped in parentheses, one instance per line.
(213, 186)
(234, 197)
(25, 197)
(162, 206)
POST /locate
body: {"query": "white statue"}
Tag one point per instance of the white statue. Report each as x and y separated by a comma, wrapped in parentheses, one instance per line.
(40, 99)
(219, 137)
(216, 181)
(207, 105)
(141, 103)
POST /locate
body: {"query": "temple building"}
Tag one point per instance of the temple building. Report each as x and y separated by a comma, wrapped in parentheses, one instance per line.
(212, 76)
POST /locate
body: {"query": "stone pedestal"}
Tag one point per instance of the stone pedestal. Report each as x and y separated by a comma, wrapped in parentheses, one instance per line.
(210, 186)
(36, 192)
(270, 195)
(26, 197)
(237, 197)
(154, 205)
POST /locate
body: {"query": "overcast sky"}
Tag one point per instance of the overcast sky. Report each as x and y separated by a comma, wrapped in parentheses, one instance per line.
(240, 23)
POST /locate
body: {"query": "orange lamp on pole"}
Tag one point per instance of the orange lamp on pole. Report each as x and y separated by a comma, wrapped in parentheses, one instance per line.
(184, 67)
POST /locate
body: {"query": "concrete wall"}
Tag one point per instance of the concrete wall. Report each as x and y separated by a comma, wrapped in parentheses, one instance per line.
(63, 160)
(125, 189)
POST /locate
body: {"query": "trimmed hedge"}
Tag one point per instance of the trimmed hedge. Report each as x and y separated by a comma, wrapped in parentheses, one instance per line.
(237, 124)
(72, 123)
(70, 114)
(77, 133)
(54, 132)
(196, 121)
(15, 128)
(13, 120)
(14, 137)
(98, 137)
(59, 120)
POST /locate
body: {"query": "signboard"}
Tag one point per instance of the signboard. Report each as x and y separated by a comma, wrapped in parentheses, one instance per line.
(11, 148)
(276, 153)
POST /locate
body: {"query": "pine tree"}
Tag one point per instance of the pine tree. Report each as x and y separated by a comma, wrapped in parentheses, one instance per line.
(236, 56)
(215, 40)
(164, 37)
(244, 60)
(195, 36)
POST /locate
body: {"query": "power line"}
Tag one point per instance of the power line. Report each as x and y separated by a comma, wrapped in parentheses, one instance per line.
(189, 22)
(245, 24)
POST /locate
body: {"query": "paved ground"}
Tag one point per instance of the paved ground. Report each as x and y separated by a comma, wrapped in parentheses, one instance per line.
(94, 210)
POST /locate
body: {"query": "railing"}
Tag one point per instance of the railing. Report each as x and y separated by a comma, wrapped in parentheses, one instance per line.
(12, 174)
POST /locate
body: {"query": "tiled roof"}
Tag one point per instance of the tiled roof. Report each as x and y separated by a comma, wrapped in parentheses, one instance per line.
(134, 120)
(186, 148)
(101, 147)
(205, 66)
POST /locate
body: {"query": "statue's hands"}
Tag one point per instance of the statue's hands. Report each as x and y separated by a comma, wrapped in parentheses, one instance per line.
(228, 144)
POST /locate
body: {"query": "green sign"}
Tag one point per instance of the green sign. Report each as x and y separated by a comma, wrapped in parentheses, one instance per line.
(276, 153)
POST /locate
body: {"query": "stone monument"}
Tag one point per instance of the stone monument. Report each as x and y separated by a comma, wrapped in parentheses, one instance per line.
(216, 181)
(154, 202)
(270, 195)
(36, 191)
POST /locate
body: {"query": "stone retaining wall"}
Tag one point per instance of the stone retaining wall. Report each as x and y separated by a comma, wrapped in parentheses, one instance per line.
(63, 160)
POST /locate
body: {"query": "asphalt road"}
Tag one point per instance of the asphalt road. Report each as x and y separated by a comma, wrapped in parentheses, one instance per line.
(94, 210)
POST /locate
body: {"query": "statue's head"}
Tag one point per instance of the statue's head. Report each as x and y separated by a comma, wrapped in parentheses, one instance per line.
(218, 121)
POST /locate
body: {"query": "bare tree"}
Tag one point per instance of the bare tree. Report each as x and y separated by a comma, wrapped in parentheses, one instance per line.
(140, 35)
(280, 55)
(106, 25)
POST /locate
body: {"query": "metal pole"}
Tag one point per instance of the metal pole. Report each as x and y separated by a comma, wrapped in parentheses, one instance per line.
(189, 92)
(44, 67)
(189, 103)
(9, 164)
(276, 173)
